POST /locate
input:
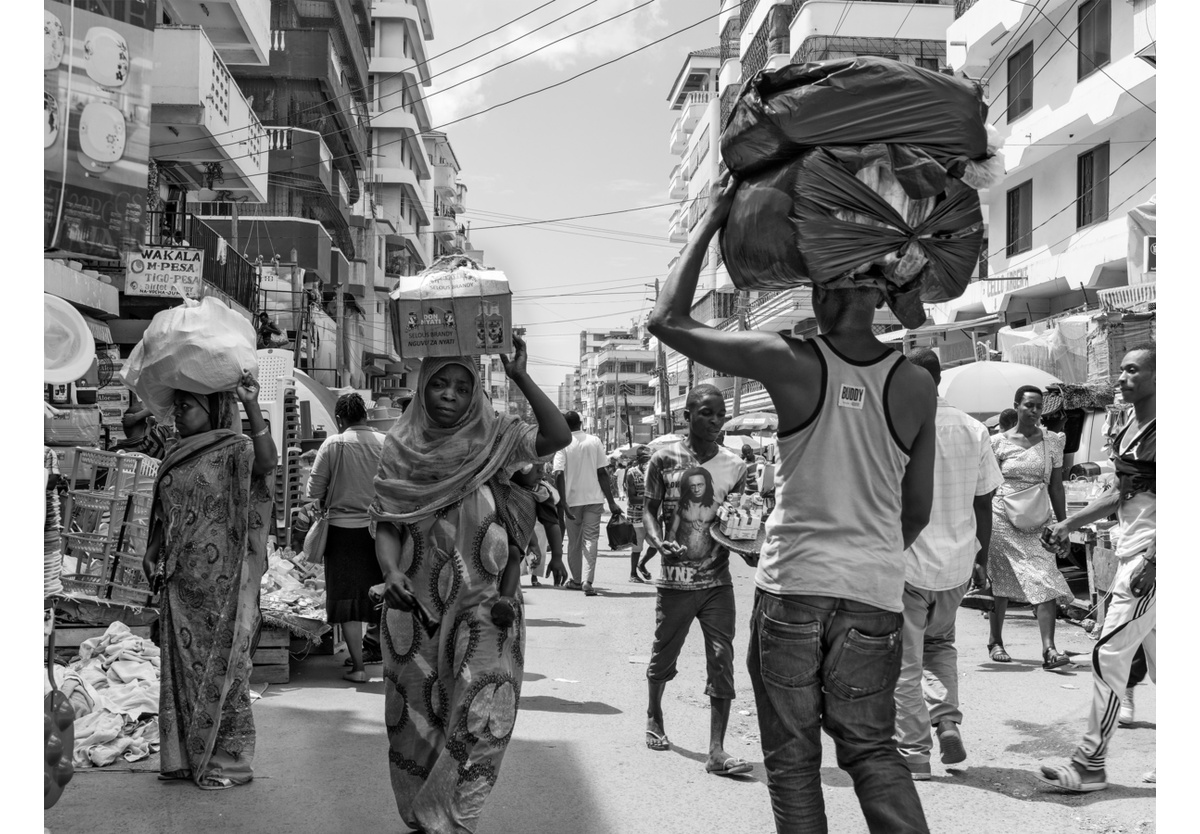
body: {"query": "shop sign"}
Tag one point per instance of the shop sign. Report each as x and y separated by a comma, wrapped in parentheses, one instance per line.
(96, 124)
(165, 271)
(1151, 253)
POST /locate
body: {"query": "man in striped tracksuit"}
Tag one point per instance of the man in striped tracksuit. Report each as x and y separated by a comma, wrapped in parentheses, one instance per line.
(1132, 603)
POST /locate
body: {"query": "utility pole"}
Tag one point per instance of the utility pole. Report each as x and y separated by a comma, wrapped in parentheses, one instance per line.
(668, 422)
(742, 325)
(339, 347)
(617, 404)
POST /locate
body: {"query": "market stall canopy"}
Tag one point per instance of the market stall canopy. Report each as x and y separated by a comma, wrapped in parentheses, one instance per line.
(982, 323)
(754, 421)
(985, 388)
(664, 440)
(735, 442)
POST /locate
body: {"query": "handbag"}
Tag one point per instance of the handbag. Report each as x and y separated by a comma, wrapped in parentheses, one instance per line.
(318, 533)
(1028, 509)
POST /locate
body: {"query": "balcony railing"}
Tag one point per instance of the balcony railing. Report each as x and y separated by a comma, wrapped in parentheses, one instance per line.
(1133, 297)
(961, 7)
(236, 277)
(772, 38)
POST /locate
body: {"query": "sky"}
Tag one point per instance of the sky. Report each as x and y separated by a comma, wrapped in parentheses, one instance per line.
(599, 143)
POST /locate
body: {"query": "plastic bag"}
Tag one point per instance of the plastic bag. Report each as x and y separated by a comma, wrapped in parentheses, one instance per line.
(620, 533)
(818, 220)
(859, 101)
(202, 347)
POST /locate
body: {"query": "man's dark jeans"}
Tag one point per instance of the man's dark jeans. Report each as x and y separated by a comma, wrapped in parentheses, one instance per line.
(825, 662)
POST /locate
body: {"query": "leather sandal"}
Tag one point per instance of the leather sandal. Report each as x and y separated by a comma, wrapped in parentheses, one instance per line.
(1053, 659)
(997, 653)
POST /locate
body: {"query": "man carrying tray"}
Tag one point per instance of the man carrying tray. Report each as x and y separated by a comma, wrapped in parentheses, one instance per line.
(855, 489)
(686, 483)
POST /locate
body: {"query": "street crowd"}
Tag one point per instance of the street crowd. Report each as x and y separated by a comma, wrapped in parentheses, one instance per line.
(888, 506)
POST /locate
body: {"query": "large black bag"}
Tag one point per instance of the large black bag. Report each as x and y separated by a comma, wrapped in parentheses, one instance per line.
(620, 533)
(858, 101)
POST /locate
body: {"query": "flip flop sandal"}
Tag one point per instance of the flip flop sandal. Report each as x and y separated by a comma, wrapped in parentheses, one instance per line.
(732, 766)
(997, 653)
(1052, 659)
(174, 777)
(215, 783)
(1066, 778)
(657, 742)
(355, 677)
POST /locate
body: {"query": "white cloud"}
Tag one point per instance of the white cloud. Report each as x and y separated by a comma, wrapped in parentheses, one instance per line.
(606, 41)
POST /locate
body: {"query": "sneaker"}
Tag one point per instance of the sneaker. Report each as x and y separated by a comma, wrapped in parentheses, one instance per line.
(572, 585)
(950, 740)
(633, 577)
(921, 772)
(1125, 716)
(588, 590)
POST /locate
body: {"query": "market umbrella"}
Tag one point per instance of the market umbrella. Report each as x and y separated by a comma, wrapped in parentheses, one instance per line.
(664, 440)
(736, 442)
(753, 421)
(986, 388)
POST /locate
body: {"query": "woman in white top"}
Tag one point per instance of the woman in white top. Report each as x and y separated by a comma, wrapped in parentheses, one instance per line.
(343, 481)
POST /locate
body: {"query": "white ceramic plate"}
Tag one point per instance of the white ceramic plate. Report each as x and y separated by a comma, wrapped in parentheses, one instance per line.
(50, 117)
(55, 43)
(107, 57)
(102, 132)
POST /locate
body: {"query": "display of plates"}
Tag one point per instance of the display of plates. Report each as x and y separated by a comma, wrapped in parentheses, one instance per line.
(56, 43)
(102, 132)
(50, 117)
(107, 57)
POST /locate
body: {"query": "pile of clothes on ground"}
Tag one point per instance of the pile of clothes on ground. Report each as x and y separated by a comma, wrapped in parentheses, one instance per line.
(292, 587)
(113, 688)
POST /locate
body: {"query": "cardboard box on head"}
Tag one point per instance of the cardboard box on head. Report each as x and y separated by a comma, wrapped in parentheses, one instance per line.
(455, 308)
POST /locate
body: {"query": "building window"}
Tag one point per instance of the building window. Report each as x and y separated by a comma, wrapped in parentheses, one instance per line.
(930, 64)
(1095, 36)
(1092, 186)
(1020, 82)
(1019, 219)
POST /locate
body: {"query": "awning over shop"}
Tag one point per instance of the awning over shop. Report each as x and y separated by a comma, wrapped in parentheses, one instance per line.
(935, 329)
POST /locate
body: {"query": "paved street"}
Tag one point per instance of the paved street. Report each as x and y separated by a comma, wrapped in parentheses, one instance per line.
(578, 762)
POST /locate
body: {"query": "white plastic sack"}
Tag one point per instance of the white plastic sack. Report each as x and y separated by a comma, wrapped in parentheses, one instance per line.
(202, 347)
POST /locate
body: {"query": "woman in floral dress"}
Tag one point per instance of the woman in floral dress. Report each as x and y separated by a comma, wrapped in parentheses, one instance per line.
(1018, 567)
(452, 675)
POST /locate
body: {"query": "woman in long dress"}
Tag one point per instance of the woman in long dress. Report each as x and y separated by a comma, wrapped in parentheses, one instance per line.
(452, 676)
(207, 548)
(1019, 567)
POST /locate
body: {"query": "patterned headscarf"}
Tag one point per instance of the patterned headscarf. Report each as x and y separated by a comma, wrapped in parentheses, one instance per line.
(425, 467)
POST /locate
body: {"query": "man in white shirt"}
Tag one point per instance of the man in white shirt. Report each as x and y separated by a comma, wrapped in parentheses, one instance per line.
(581, 475)
(937, 572)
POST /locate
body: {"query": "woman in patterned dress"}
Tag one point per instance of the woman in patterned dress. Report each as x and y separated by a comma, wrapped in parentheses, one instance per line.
(452, 676)
(207, 548)
(1018, 567)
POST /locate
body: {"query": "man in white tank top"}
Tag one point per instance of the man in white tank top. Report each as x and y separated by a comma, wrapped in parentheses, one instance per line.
(854, 488)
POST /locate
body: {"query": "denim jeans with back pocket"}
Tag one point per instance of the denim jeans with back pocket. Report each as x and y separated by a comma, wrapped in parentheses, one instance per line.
(820, 662)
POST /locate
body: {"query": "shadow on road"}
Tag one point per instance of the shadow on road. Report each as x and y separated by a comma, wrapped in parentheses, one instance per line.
(543, 788)
(555, 623)
(759, 774)
(1024, 785)
(549, 703)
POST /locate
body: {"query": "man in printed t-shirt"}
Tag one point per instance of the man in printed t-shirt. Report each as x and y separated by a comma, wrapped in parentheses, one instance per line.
(685, 485)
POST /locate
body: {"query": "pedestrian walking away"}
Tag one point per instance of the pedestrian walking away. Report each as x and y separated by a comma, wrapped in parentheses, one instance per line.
(452, 675)
(1018, 567)
(1132, 609)
(207, 551)
(950, 554)
(855, 487)
(635, 493)
(342, 481)
(686, 483)
(581, 475)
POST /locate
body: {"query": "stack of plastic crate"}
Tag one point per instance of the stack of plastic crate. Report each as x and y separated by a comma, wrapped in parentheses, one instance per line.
(96, 514)
(281, 408)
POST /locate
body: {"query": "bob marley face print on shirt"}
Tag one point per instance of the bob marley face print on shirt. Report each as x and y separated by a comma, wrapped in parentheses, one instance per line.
(690, 493)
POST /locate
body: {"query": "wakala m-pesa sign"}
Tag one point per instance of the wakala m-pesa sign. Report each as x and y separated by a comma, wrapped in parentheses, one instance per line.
(165, 271)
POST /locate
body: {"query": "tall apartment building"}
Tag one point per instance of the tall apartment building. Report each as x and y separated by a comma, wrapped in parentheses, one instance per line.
(1078, 121)
(756, 35)
(614, 389)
